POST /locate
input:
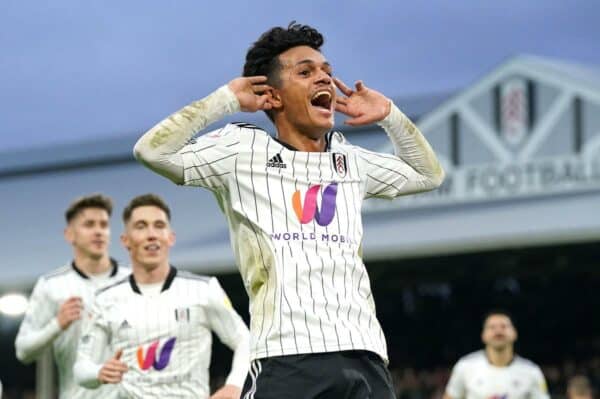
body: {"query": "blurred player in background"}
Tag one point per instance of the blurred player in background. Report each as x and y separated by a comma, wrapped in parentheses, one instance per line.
(61, 298)
(579, 387)
(496, 372)
(158, 321)
(293, 206)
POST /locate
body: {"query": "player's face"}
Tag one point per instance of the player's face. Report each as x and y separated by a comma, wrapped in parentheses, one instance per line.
(306, 93)
(498, 332)
(148, 237)
(89, 232)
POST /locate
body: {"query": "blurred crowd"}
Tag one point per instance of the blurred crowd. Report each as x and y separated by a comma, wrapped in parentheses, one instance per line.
(411, 383)
(429, 384)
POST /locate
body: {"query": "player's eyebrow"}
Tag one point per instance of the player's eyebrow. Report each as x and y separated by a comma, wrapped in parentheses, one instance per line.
(309, 61)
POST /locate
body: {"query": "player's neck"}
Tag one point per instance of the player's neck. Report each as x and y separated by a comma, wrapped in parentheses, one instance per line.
(89, 265)
(296, 139)
(146, 275)
(500, 357)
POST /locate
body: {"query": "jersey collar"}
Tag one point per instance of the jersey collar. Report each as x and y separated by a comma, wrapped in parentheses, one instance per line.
(166, 284)
(511, 361)
(113, 263)
(292, 148)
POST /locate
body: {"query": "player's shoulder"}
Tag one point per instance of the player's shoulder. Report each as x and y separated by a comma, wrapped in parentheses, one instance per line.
(233, 130)
(233, 135)
(192, 278)
(62, 271)
(241, 126)
(526, 364)
(113, 289)
(473, 358)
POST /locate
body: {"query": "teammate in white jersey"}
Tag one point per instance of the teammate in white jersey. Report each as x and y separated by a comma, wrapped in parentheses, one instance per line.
(61, 298)
(293, 206)
(159, 320)
(496, 372)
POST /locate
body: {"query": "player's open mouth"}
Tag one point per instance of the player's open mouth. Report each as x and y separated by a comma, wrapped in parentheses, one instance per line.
(152, 247)
(322, 99)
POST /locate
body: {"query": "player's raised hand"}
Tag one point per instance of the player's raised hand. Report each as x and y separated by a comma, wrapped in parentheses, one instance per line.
(227, 392)
(112, 371)
(363, 105)
(69, 311)
(252, 93)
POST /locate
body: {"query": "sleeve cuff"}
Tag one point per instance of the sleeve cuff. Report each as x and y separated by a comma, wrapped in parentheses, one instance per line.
(228, 99)
(394, 118)
(54, 327)
(86, 374)
(236, 379)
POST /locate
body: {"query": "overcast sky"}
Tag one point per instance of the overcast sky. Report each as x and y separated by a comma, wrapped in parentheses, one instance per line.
(72, 70)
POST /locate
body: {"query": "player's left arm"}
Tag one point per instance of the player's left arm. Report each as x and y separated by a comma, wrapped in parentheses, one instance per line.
(90, 370)
(413, 168)
(232, 331)
(539, 389)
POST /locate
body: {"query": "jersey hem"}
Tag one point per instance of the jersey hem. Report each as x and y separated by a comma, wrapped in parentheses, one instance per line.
(257, 355)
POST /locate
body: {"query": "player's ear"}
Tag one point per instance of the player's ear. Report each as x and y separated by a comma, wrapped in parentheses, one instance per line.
(69, 235)
(125, 240)
(172, 238)
(275, 99)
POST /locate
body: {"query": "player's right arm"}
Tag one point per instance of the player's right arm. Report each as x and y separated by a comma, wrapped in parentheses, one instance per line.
(232, 331)
(42, 323)
(163, 148)
(456, 387)
(89, 370)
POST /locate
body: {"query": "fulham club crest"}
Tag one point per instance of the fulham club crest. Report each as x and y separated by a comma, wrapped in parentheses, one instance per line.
(339, 163)
(182, 314)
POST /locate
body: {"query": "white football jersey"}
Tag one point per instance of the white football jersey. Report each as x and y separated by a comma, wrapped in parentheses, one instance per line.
(40, 326)
(166, 338)
(474, 377)
(296, 231)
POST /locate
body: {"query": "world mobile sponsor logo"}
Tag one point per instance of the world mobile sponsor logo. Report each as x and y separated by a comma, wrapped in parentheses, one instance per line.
(310, 236)
(310, 210)
(149, 359)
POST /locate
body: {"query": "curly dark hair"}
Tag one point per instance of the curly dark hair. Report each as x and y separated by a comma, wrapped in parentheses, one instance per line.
(263, 57)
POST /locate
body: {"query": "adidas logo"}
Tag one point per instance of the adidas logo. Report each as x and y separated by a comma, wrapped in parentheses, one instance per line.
(276, 162)
(124, 325)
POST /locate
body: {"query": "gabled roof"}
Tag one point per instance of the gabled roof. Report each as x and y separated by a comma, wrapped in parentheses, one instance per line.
(570, 78)
(570, 73)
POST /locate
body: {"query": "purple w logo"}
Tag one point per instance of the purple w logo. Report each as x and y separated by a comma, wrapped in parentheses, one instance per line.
(310, 210)
(145, 362)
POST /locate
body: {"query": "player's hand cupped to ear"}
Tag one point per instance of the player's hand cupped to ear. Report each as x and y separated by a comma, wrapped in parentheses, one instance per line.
(363, 105)
(252, 93)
